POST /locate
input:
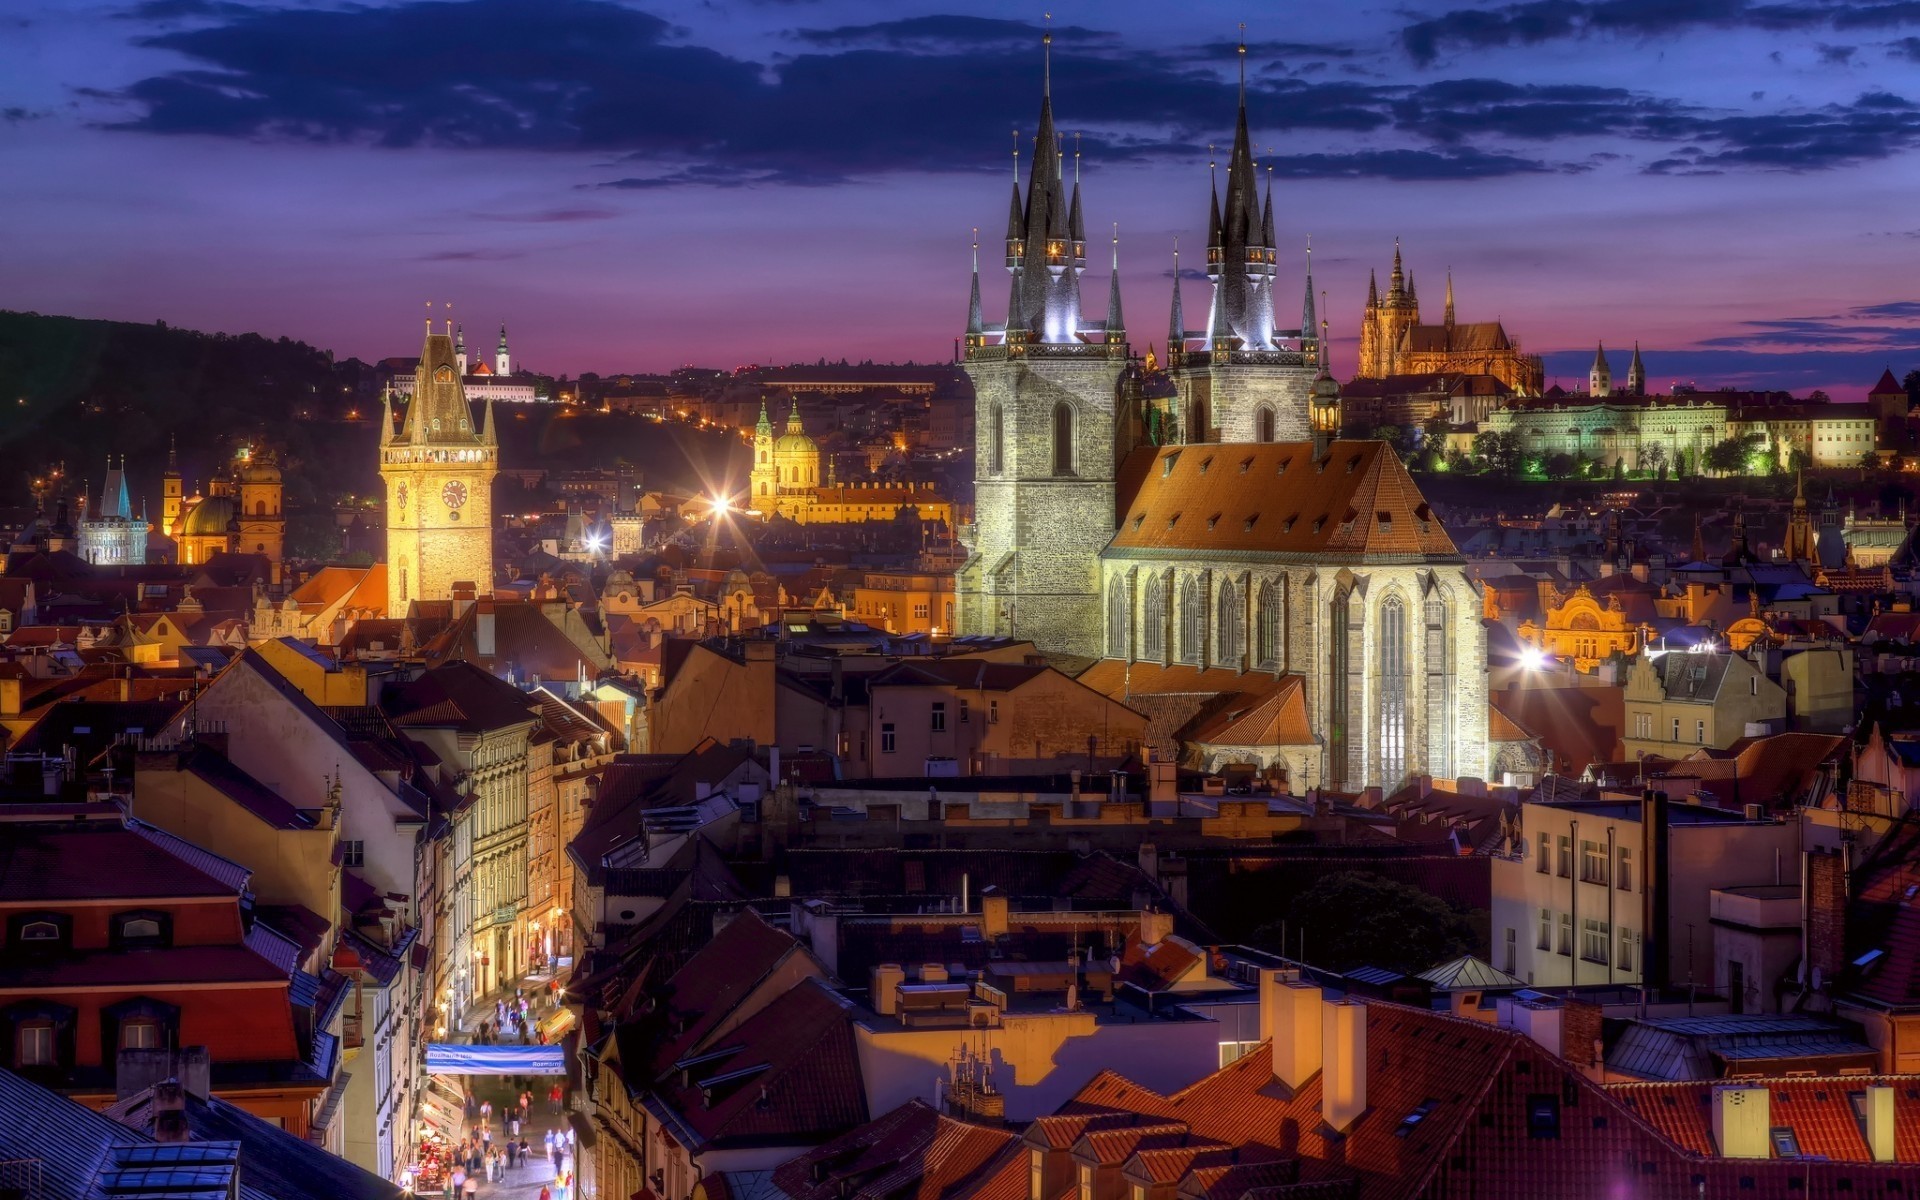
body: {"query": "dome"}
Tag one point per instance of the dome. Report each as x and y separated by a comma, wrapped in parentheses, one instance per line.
(795, 443)
(210, 517)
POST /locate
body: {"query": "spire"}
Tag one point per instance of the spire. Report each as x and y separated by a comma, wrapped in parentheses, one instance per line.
(793, 417)
(1637, 373)
(1016, 312)
(763, 428)
(1266, 221)
(1397, 282)
(173, 455)
(1449, 316)
(1307, 318)
(1373, 290)
(1177, 319)
(1116, 324)
(1213, 218)
(1413, 290)
(975, 324)
(488, 435)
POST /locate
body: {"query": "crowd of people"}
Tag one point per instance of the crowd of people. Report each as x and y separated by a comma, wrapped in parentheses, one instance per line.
(514, 1019)
(481, 1157)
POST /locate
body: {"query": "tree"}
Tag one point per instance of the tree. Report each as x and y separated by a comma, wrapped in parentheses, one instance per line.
(1355, 918)
(1726, 456)
(1912, 384)
(1561, 466)
(1619, 469)
(1500, 452)
(1816, 396)
(1654, 458)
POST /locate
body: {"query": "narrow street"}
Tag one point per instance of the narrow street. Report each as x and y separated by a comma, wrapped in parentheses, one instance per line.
(523, 1180)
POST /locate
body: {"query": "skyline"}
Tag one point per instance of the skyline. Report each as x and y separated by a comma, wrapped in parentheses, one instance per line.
(752, 182)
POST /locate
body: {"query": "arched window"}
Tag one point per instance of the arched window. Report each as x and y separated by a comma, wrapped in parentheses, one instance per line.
(1340, 773)
(1117, 618)
(1062, 439)
(1269, 625)
(1393, 692)
(1439, 716)
(1263, 425)
(1229, 637)
(1153, 622)
(1193, 621)
(1197, 421)
(998, 462)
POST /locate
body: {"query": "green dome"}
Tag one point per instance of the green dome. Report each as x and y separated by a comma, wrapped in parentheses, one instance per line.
(210, 517)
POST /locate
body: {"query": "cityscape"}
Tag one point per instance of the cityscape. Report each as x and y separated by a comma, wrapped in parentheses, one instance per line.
(867, 676)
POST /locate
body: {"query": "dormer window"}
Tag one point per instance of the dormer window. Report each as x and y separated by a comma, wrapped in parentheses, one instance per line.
(1173, 520)
(1213, 520)
(1246, 464)
(40, 931)
(1248, 527)
(1166, 464)
(1204, 464)
(1281, 467)
(141, 929)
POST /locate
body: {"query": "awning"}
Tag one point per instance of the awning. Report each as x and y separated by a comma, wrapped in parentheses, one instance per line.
(445, 1058)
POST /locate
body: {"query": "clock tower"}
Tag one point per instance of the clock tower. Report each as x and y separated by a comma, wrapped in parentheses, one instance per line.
(438, 473)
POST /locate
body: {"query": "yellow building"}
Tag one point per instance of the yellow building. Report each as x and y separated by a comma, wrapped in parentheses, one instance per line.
(1584, 627)
(1678, 702)
(1394, 342)
(241, 512)
(785, 481)
(906, 601)
(320, 679)
(438, 472)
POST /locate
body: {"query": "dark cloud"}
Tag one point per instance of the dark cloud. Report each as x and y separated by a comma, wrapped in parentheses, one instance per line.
(1894, 325)
(171, 10)
(1537, 21)
(1907, 48)
(917, 94)
(1837, 56)
(14, 114)
(467, 256)
(551, 216)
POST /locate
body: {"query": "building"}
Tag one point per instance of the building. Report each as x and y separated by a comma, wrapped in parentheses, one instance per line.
(110, 534)
(438, 473)
(906, 601)
(482, 378)
(1394, 342)
(1677, 702)
(786, 481)
(241, 512)
(1648, 433)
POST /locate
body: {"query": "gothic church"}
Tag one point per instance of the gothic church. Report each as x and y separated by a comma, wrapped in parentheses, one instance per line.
(1233, 545)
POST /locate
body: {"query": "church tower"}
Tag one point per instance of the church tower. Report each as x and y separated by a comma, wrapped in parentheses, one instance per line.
(258, 486)
(172, 494)
(438, 473)
(1250, 381)
(1636, 374)
(1046, 385)
(763, 479)
(1600, 378)
(502, 361)
(1386, 320)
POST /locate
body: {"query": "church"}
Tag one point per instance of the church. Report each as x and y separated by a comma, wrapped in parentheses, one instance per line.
(785, 482)
(1232, 548)
(1394, 342)
(437, 469)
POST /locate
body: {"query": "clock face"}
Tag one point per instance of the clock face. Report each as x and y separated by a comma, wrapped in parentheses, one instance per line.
(400, 497)
(454, 495)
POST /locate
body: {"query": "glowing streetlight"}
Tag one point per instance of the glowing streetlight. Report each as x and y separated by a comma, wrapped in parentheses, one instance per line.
(1532, 659)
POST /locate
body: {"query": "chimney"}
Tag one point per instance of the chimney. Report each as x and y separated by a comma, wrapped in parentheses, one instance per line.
(9, 697)
(1343, 1075)
(887, 978)
(933, 973)
(484, 641)
(993, 913)
(170, 1112)
(1880, 1123)
(1155, 927)
(1290, 1015)
(1741, 1117)
(1825, 889)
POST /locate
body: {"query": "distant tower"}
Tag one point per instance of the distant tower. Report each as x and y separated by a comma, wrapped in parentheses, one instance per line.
(1448, 318)
(1600, 378)
(1799, 547)
(263, 526)
(1325, 409)
(111, 533)
(1636, 374)
(1384, 324)
(172, 494)
(438, 471)
(1046, 392)
(460, 349)
(502, 361)
(763, 478)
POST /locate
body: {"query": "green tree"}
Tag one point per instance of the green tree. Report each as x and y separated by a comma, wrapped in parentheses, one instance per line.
(1654, 459)
(1355, 918)
(1499, 452)
(1912, 384)
(1727, 456)
(1560, 466)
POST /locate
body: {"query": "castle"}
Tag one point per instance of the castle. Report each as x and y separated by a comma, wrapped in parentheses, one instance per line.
(1230, 546)
(1394, 342)
(438, 471)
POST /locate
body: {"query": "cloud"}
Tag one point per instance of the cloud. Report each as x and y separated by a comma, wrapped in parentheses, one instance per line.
(1894, 325)
(14, 114)
(1405, 164)
(943, 32)
(467, 256)
(551, 216)
(1837, 56)
(1907, 48)
(1537, 21)
(1875, 126)
(171, 10)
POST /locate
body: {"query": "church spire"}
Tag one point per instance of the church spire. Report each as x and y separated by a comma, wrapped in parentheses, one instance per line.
(1637, 374)
(1449, 315)
(975, 326)
(1045, 248)
(1177, 319)
(1308, 322)
(793, 417)
(1373, 290)
(1396, 282)
(1116, 324)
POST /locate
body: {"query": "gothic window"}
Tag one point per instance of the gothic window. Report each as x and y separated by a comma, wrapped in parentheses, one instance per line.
(1439, 723)
(1062, 439)
(1197, 421)
(1393, 691)
(1117, 618)
(1263, 425)
(1270, 630)
(1153, 622)
(1339, 690)
(999, 440)
(1193, 621)
(1229, 638)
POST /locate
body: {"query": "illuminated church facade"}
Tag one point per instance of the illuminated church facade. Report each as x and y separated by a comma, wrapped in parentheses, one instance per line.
(1393, 341)
(1229, 545)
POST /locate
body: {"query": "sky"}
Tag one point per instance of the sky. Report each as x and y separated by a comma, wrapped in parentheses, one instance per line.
(641, 184)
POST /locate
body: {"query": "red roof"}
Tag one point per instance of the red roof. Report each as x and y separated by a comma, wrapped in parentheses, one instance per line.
(40, 863)
(1888, 385)
(1817, 1110)
(717, 979)
(911, 1153)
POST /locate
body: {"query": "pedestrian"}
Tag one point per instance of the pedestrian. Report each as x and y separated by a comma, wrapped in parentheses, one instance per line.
(555, 1153)
(458, 1179)
(486, 1111)
(524, 1156)
(471, 1188)
(553, 1099)
(549, 1141)
(513, 1127)
(526, 1104)
(546, 1193)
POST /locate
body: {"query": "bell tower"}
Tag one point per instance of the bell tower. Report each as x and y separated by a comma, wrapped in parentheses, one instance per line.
(1046, 386)
(438, 471)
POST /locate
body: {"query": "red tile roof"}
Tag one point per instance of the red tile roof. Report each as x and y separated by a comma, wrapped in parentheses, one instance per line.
(1817, 1110)
(40, 863)
(911, 1153)
(714, 982)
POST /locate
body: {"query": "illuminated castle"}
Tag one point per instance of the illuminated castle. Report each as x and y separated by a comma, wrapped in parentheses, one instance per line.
(1394, 342)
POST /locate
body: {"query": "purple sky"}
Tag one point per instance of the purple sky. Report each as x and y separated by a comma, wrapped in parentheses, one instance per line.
(641, 185)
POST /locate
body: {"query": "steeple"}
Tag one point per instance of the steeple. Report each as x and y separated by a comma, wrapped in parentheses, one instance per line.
(1373, 290)
(1600, 378)
(1240, 258)
(1042, 249)
(1116, 324)
(1637, 374)
(1309, 324)
(488, 435)
(460, 348)
(438, 411)
(1449, 316)
(793, 417)
(1177, 319)
(763, 428)
(502, 361)
(974, 321)
(1396, 282)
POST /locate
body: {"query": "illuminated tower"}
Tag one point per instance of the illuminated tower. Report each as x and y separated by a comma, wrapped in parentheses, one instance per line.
(172, 495)
(1600, 378)
(1636, 374)
(438, 473)
(1046, 384)
(763, 478)
(502, 361)
(258, 488)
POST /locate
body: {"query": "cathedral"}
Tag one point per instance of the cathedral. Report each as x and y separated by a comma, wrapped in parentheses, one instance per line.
(1394, 342)
(1232, 546)
(785, 482)
(438, 471)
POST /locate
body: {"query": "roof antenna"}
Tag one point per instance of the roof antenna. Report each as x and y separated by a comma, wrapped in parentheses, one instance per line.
(1076, 157)
(429, 316)
(1016, 155)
